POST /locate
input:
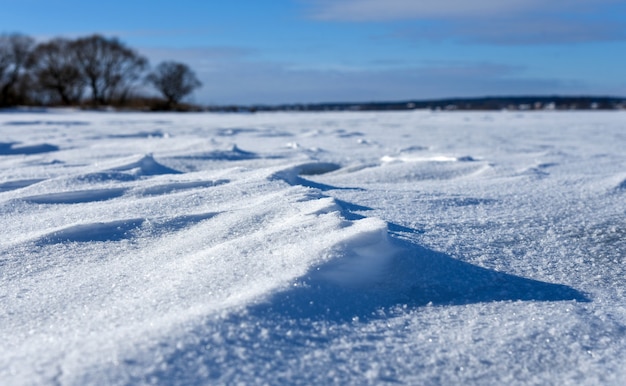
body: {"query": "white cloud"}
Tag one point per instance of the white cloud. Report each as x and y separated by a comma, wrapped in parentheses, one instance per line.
(537, 31)
(502, 22)
(378, 10)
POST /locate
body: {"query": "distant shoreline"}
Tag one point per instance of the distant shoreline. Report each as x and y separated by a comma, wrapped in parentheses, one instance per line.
(507, 103)
(517, 103)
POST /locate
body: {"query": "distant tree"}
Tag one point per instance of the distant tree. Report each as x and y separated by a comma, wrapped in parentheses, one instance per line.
(54, 69)
(110, 68)
(174, 81)
(14, 52)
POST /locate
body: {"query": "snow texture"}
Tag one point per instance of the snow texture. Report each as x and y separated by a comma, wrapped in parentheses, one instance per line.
(294, 248)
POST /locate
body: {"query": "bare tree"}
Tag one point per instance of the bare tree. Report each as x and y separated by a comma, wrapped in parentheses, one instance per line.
(14, 52)
(54, 69)
(110, 68)
(62, 71)
(174, 81)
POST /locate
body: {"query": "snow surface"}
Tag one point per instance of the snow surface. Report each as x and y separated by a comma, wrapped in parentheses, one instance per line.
(331, 248)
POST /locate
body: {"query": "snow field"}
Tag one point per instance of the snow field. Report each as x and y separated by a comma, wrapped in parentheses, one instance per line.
(353, 248)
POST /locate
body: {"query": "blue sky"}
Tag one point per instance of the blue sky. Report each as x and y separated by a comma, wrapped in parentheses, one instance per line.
(288, 51)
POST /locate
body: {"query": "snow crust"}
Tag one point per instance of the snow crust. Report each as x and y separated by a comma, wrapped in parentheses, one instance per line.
(294, 248)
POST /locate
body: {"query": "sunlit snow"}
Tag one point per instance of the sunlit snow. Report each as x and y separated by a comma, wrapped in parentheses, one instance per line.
(330, 248)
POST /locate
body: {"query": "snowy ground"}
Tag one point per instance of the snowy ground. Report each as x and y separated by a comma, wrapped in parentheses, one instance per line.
(347, 248)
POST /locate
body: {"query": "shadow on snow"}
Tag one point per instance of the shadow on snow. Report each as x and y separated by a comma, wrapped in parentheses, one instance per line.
(121, 229)
(9, 148)
(415, 277)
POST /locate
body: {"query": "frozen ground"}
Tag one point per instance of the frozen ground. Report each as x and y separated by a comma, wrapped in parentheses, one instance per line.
(336, 248)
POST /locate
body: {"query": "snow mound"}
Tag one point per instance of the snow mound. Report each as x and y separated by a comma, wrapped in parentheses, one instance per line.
(144, 166)
(292, 175)
(370, 272)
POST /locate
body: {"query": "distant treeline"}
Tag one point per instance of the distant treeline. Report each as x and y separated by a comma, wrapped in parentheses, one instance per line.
(92, 71)
(487, 103)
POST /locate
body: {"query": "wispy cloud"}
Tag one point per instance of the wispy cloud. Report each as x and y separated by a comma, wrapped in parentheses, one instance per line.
(511, 22)
(542, 31)
(537, 31)
(376, 10)
(214, 54)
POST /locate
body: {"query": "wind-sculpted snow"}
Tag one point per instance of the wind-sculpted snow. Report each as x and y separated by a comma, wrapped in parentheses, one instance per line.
(76, 196)
(178, 186)
(18, 184)
(111, 231)
(46, 123)
(145, 166)
(12, 148)
(337, 248)
(232, 154)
